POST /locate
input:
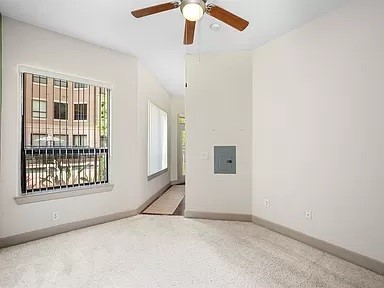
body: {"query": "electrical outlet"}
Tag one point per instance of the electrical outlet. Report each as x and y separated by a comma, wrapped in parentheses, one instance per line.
(267, 203)
(55, 216)
(308, 215)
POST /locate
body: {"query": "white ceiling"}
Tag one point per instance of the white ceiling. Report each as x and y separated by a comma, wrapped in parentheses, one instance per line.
(157, 40)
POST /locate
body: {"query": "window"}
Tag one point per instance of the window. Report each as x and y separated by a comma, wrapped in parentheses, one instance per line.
(60, 140)
(80, 85)
(39, 79)
(157, 140)
(80, 140)
(39, 140)
(39, 109)
(60, 83)
(58, 155)
(61, 111)
(80, 111)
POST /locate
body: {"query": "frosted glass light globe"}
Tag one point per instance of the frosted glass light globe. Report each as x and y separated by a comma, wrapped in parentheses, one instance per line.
(193, 12)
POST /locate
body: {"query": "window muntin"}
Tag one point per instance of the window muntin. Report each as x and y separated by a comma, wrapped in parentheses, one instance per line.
(60, 83)
(80, 111)
(39, 140)
(157, 139)
(39, 108)
(80, 140)
(52, 157)
(60, 111)
(40, 79)
(60, 140)
(80, 86)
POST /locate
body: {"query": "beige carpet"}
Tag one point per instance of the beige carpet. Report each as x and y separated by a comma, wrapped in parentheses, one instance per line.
(148, 251)
(168, 202)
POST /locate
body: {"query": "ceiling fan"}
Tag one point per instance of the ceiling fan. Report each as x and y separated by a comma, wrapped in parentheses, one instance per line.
(192, 11)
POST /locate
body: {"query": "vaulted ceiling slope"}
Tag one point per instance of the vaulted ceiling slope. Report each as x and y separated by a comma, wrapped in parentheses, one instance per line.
(157, 40)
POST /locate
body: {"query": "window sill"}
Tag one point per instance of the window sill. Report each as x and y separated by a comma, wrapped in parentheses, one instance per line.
(153, 176)
(63, 193)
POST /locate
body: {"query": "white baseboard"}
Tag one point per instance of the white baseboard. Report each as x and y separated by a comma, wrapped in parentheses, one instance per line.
(350, 256)
(218, 216)
(63, 228)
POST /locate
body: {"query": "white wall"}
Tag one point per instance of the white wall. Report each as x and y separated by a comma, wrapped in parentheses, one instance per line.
(149, 90)
(219, 98)
(28, 45)
(318, 128)
(177, 107)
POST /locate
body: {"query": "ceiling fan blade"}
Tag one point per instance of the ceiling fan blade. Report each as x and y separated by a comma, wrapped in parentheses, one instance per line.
(155, 9)
(189, 32)
(227, 17)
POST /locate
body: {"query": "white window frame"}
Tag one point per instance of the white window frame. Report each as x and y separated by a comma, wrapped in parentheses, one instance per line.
(21, 198)
(151, 175)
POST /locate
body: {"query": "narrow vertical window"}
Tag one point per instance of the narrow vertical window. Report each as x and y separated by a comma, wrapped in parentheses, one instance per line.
(157, 140)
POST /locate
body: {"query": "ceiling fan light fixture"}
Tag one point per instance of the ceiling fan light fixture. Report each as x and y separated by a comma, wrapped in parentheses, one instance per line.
(193, 10)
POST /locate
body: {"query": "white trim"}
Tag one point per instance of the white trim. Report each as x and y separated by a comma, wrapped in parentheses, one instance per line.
(20, 90)
(62, 193)
(157, 174)
(64, 76)
(340, 252)
(154, 175)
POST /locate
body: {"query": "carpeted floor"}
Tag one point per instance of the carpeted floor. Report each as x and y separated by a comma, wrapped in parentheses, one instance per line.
(171, 251)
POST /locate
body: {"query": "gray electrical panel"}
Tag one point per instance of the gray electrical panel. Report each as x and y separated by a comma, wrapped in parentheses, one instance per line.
(225, 160)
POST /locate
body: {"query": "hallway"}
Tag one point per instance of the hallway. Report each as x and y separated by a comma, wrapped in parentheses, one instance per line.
(170, 203)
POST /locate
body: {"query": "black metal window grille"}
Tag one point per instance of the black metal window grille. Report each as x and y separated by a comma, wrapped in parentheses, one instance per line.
(61, 154)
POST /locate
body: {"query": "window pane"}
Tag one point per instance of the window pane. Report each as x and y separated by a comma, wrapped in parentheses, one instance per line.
(158, 139)
(80, 140)
(80, 111)
(80, 85)
(39, 79)
(61, 154)
(39, 140)
(60, 83)
(60, 140)
(39, 109)
(61, 111)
